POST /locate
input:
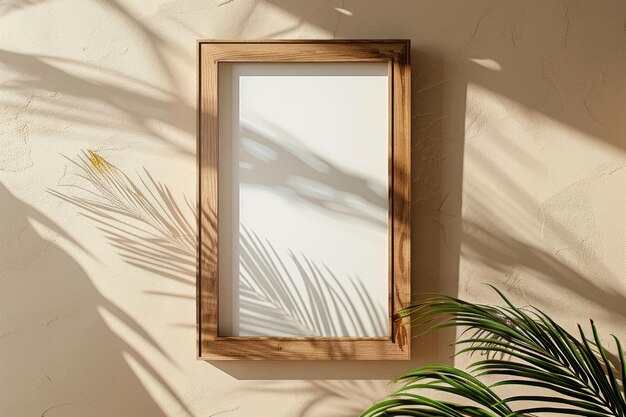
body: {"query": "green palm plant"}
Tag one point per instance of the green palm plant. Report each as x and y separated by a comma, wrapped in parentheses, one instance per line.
(520, 347)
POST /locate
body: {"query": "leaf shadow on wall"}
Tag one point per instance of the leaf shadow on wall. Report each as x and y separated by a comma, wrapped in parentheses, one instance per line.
(271, 303)
(538, 67)
(10, 6)
(506, 251)
(151, 231)
(278, 161)
(54, 89)
(142, 220)
(67, 98)
(515, 49)
(55, 338)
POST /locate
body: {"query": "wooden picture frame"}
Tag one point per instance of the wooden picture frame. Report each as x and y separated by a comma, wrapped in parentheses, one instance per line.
(396, 345)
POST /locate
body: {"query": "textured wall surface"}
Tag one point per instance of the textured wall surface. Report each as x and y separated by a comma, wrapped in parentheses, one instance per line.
(519, 180)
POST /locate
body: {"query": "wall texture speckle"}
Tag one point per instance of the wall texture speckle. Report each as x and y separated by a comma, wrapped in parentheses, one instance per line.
(519, 180)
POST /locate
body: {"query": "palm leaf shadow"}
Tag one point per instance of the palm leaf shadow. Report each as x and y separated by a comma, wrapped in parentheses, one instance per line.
(313, 179)
(151, 231)
(272, 302)
(113, 207)
(141, 221)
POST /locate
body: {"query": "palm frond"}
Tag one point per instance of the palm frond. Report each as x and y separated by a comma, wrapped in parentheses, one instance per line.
(443, 379)
(522, 347)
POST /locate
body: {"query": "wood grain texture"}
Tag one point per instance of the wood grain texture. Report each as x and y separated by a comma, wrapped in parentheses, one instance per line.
(207, 197)
(397, 345)
(401, 192)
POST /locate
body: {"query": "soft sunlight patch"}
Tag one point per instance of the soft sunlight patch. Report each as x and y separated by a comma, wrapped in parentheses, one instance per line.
(343, 11)
(487, 63)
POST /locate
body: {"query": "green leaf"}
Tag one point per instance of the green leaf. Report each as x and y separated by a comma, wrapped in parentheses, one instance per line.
(522, 347)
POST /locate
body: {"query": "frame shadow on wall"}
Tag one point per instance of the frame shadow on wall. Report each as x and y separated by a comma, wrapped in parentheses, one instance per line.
(427, 137)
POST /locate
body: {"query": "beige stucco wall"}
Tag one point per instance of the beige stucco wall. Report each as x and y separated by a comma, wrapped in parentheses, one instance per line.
(519, 180)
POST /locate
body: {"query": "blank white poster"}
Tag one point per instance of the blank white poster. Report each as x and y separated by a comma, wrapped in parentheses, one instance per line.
(303, 199)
